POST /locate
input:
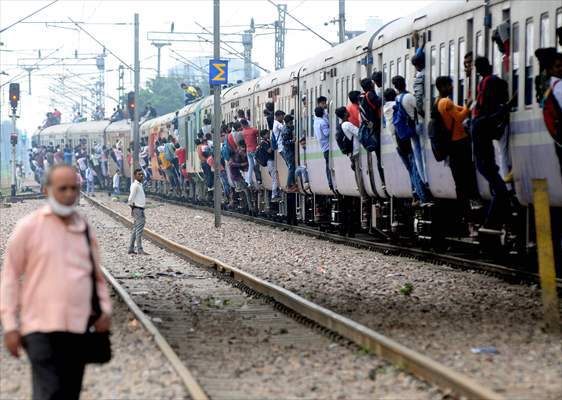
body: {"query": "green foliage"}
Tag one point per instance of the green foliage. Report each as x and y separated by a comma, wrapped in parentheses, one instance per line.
(407, 289)
(163, 93)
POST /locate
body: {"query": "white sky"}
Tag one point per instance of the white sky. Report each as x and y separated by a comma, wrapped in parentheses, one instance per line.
(23, 40)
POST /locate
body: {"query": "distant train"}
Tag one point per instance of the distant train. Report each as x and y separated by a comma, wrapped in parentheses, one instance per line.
(451, 29)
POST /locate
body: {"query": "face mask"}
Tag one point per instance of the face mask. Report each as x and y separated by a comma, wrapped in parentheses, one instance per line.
(60, 209)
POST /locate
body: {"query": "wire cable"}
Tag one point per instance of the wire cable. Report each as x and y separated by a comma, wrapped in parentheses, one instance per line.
(30, 15)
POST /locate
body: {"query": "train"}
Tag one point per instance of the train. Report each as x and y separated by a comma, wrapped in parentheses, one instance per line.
(362, 204)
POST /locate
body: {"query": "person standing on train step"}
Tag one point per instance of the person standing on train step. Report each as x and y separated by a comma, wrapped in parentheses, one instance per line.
(288, 153)
(460, 147)
(377, 80)
(46, 289)
(418, 61)
(489, 118)
(353, 107)
(137, 202)
(371, 112)
(322, 133)
(250, 136)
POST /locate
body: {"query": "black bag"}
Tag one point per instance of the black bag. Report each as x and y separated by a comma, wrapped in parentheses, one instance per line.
(439, 134)
(97, 346)
(262, 155)
(345, 145)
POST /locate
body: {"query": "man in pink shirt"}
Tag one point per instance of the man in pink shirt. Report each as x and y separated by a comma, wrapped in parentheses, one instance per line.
(250, 136)
(46, 289)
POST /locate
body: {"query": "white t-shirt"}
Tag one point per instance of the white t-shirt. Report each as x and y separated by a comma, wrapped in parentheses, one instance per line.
(352, 133)
(116, 180)
(408, 102)
(388, 112)
(277, 129)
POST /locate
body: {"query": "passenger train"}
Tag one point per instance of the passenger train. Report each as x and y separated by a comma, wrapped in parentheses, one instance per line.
(450, 29)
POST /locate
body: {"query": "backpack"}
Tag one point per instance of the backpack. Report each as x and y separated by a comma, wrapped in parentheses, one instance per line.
(404, 125)
(552, 114)
(494, 123)
(366, 138)
(376, 107)
(261, 154)
(287, 136)
(225, 151)
(439, 135)
(345, 145)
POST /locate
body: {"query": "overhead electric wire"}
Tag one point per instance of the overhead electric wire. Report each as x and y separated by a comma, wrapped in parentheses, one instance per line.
(303, 24)
(34, 65)
(101, 44)
(30, 15)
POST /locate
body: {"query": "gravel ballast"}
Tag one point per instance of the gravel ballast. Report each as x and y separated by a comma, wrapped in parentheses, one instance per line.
(137, 371)
(237, 346)
(442, 312)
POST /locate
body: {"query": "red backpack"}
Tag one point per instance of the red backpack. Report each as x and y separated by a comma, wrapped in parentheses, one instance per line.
(552, 114)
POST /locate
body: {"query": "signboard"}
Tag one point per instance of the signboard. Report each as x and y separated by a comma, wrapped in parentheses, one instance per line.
(218, 72)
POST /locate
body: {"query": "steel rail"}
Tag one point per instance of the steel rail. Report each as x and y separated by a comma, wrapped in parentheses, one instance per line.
(416, 363)
(501, 271)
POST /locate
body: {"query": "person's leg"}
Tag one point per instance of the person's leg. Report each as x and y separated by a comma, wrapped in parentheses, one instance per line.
(70, 346)
(419, 156)
(420, 189)
(558, 149)
(208, 173)
(291, 166)
(134, 230)
(46, 373)
(461, 171)
(274, 178)
(257, 170)
(248, 175)
(328, 172)
(139, 228)
(377, 137)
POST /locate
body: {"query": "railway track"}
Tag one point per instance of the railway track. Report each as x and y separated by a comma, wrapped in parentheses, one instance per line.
(509, 274)
(247, 301)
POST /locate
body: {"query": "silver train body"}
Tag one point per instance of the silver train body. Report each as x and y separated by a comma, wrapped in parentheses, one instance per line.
(451, 28)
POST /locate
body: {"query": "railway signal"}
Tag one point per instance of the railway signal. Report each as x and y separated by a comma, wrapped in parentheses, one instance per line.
(131, 105)
(14, 95)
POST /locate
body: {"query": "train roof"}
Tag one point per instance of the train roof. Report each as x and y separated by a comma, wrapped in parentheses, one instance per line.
(121, 126)
(278, 77)
(240, 90)
(87, 127)
(59, 129)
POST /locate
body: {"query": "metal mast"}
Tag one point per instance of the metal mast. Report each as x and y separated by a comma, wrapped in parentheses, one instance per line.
(280, 36)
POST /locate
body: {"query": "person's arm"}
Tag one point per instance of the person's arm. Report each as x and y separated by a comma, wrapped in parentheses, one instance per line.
(104, 321)
(132, 195)
(14, 263)
(325, 129)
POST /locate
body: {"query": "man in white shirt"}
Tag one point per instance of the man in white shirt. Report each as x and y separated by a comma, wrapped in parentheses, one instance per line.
(277, 129)
(352, 133)
(137, 202)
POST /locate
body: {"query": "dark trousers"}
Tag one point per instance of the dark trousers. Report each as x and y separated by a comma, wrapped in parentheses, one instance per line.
(499, 209)
(56, 366)
(558, 149)
(464, 174)
(377, 139)
(289, 157)
(328, 173)
(209, 177)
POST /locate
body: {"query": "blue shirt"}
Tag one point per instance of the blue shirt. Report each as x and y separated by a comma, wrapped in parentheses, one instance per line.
(322, 133)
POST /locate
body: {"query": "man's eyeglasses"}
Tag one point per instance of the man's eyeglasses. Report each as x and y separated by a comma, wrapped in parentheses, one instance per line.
(65, 188)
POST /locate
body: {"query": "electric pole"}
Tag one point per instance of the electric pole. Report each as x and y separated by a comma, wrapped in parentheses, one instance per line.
(29, 69)
(280, 36)
(14, 99)
(341, 21)
(121, 88)
(247, 42)
(217, 118)
(135, 119)
(159, 47)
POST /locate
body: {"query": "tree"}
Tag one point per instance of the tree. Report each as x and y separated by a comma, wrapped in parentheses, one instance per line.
(164, 94)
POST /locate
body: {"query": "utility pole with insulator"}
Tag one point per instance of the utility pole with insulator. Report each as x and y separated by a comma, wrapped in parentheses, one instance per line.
(217, 118)
(14, 100)
(159, 47)
(341, 22)
(135, 116)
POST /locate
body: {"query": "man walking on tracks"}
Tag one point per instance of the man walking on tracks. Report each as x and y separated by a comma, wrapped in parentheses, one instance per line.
(48, 279)
(137, 201)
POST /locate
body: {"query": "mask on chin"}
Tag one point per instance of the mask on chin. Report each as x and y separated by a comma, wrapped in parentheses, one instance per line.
(60, 209)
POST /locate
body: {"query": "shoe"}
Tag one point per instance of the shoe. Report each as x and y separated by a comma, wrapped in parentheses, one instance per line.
(509, 177)
(276, 199)
(415, 203)
(142, 253)
(306, 186)
(210, 189)
(475, 204)
(131, 252)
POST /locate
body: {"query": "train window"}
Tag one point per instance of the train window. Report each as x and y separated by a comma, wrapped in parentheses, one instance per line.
(558, 25)
(469, 34)
(347, 90)
(515, 67)
(342, 94)
(398, 66)
(545, 31)
(384, 75)
(442, 59)
(479, 44)
(352, 87)
(529, 55)
(433, 71)
(496, 60)
(452, 60)
(391, 71)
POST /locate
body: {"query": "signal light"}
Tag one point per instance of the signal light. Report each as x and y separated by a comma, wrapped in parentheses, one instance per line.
(131, 104)
(14, 95)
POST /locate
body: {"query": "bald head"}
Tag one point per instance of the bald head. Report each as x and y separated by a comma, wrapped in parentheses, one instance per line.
(62, 184)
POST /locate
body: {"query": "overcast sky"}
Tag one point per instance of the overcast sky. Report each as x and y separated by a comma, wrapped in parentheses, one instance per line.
(24, 39)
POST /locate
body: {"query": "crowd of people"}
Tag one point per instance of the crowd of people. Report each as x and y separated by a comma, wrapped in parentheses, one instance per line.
(92, 167)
